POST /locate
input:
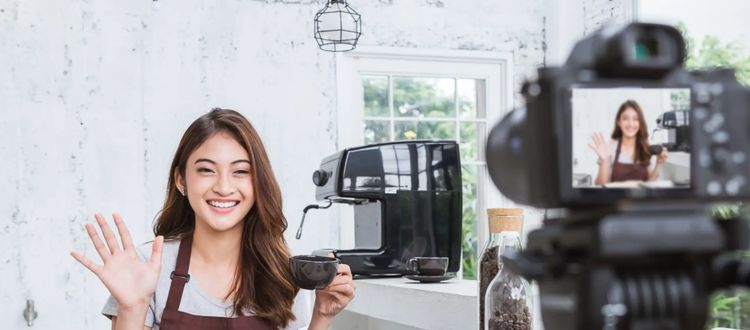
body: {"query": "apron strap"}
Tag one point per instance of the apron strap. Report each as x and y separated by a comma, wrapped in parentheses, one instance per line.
(180, 275)
(617, 153)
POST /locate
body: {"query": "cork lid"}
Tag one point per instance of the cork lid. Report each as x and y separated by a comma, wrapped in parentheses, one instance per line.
(501, 220)
(505, 211)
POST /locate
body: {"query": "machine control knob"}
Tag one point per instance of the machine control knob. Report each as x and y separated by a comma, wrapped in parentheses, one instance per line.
(320, 177)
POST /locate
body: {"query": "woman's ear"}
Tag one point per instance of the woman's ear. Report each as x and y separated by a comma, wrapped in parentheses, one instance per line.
(179, 182)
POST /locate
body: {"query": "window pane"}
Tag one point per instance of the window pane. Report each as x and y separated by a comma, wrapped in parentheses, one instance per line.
(467, 98)
(410, 130)
(469, 176)
(377, 131)
(471, 133)
(471, 98)
(375, 90)
(423, 97)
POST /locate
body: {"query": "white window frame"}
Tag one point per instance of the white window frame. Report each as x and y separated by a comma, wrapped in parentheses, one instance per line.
(494, 67)
(632, 10)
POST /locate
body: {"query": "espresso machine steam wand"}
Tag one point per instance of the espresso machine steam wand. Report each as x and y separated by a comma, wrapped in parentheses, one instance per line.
(307, 208)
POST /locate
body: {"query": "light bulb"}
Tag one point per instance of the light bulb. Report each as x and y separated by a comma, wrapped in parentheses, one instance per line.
(155, 4)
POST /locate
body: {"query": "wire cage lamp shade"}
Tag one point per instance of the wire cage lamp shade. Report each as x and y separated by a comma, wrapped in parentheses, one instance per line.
(337, 27)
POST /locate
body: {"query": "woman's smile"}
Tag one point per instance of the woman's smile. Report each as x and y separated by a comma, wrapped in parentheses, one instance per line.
(631, 131)
(222, 205)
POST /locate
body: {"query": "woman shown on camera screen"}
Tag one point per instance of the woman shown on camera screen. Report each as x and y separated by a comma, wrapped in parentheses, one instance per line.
(626, 156)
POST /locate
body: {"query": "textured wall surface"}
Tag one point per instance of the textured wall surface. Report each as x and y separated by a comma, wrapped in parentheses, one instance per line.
(599, 12)
(95, 95)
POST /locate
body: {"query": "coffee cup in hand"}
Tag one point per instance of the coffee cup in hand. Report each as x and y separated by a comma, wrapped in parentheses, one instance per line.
(314, 272)
(428, 266)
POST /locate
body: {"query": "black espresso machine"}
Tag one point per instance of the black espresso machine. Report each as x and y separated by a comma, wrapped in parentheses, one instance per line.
(407, 202)
(677, 122)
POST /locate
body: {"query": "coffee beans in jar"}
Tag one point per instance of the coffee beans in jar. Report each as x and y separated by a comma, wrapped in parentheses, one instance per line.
(488, 269)
(510, 313)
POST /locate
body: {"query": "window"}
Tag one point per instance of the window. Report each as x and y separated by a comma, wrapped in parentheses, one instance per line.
(395, 94)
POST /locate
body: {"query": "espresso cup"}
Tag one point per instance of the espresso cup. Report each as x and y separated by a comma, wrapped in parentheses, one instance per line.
(655, 149)
(314, 272)
(428, 266)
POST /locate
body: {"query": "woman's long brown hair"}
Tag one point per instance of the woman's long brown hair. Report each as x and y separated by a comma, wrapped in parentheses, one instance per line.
(642, 152)
(263, 283)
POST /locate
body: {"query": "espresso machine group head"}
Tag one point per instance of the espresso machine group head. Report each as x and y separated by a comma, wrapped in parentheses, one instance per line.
(407, 200)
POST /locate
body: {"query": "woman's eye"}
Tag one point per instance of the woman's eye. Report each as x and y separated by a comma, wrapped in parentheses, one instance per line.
(242, 172)
(205, 170)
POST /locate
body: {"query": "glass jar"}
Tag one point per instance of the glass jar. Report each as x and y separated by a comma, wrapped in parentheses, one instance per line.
(508, 300)
(487, 267)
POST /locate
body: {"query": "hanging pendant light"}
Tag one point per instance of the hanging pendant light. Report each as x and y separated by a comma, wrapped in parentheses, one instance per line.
(337, 27)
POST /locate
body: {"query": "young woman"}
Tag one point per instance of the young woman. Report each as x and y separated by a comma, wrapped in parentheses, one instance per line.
(626, 157)
(219, 260)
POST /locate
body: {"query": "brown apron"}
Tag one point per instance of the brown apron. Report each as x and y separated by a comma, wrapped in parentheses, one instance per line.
(176, 320)
(627, 172)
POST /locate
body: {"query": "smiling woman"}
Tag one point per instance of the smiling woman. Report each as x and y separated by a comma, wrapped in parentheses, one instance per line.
(219, 260)
(218, 182)
(626, 156)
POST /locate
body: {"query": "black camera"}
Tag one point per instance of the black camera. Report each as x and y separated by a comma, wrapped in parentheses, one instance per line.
(629, 244)
(533, 152)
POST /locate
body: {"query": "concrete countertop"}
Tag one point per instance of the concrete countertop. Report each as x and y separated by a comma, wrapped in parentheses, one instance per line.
(679, 158)
(448, 305)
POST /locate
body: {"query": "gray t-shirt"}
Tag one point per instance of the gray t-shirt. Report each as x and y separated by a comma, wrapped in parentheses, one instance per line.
(195, 300)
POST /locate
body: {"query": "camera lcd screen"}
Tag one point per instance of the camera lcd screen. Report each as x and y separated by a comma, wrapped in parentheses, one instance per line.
(631, 138)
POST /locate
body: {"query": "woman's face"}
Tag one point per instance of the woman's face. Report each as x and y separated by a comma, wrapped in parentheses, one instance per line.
(629, 123)
(219, 183)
